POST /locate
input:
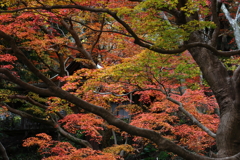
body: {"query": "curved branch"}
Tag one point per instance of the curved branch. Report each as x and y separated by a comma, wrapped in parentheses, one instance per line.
(29, 116)
(126, 94)
(48, 122)
(78, 42)
(163, 144)
(30, 100)
(72, 138)
(10, 77)
(200, 125)
(127, 35)
(189, 46)
(181, 108)
(137, 40)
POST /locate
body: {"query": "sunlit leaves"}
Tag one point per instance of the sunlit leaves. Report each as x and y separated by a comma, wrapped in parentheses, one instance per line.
(57, 104)
(150, 68)
(116, 149)
(159, 4)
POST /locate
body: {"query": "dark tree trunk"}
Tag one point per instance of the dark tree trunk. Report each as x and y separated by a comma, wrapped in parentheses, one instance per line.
(225, 89)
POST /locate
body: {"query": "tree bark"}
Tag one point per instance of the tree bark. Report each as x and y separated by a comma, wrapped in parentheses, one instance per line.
(226, 93)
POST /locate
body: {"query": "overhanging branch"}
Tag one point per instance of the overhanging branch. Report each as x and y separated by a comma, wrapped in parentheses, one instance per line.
(29, 116)
(72, 138)
(7, 75)
(137, 40)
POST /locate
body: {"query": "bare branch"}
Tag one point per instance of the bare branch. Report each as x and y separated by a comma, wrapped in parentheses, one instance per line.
(233, 22)
(120, 95)
(78, 42)
(200, 125)
(227, 14)
(63, 70)
(71, 137)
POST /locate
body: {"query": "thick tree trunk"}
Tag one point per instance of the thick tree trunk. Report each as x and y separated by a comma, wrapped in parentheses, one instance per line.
(228, 139)
(226, 93)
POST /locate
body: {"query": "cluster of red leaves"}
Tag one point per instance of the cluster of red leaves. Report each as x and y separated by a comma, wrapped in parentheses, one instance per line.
(193, 137)
(64, 150)
(161, 115)
(156, 121)
(7, 58)
(154, 110)
(165, 117)
(196, 100)
(88, 124)
(203, 109)
(43, 140)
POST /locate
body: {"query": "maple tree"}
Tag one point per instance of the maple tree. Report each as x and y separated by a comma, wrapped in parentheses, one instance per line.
(161, 57)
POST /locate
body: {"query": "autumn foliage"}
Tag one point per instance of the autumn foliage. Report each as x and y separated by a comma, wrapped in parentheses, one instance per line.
(64, 150)
(110, 73)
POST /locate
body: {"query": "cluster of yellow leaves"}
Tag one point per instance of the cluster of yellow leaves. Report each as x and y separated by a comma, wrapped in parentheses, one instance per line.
(57, 104)
(116, 149)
